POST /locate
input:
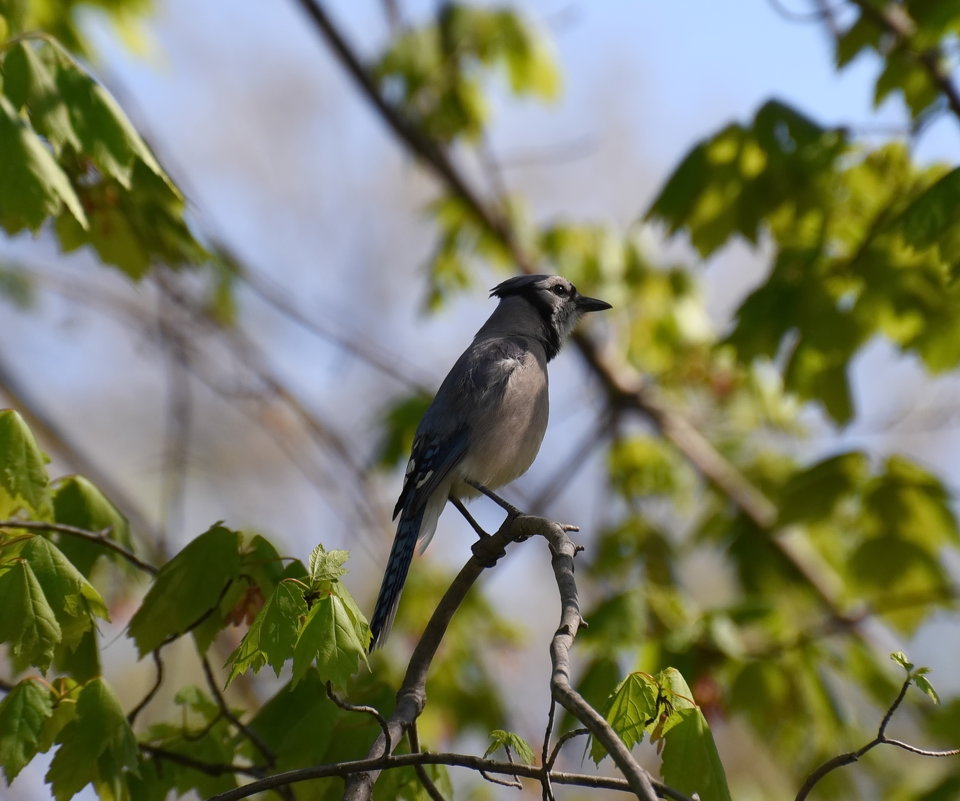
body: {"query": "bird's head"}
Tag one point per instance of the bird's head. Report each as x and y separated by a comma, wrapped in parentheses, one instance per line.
(555, 300)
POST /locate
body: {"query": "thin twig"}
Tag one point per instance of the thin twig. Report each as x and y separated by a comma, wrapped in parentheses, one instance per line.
(210, 768)
(514, 783)
(367, 710)
(545, 752)
(564, 739)
(200, 619)
(428, 784)
(96, 537)
(563, 550)
(881, 739)
(132, 715)
(245, 730)
(895, 19)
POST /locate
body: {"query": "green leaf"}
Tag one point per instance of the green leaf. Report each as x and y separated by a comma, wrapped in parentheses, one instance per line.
(326, 566)
(77, 502)
(932, 218)
(331, 636)
(23, 472)
(104, 132)
(98, 746)
(298, 722)
(911, 503)
(923, 684)
(813, 494)
(690, 762)
(630, 710)
(273, 634)
(27, 623)
(901, 659)
(73, 599)
(889, 567)
(186, 588)
(23, 715)
(33, 187)
(512, 744)
(28, 81)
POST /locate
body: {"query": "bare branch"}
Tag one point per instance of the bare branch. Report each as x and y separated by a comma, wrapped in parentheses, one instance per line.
(132, 715)
(421, 771)
(97, 537)
(412, 697)
(881, 739)
(245, 730)
(563, 550)
(367, 710)
(514, 783)
(427, 758)
(545, 752)
(211, 769)
(564, 739)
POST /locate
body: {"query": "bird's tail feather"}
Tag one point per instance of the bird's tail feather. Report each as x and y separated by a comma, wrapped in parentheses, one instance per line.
(401, 554)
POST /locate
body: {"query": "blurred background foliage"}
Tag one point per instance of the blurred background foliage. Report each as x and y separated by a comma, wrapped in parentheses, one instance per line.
(255, 356)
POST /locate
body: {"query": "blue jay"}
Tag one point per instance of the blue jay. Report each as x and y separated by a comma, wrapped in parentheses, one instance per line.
(486, 423)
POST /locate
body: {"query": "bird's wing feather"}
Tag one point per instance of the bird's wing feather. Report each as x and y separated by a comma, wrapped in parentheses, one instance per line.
(435, 452)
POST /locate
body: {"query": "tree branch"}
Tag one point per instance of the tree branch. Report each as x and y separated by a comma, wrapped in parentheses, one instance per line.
(211, 769)
(412, 697)
(881, 739)
(563, 550)
(96, 537)
(421, 771)
(427, 758)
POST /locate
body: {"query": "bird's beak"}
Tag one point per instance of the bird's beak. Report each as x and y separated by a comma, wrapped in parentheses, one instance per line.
(591, 304)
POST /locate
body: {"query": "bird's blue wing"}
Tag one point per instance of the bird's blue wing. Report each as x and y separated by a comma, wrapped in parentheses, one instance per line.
(431, 460)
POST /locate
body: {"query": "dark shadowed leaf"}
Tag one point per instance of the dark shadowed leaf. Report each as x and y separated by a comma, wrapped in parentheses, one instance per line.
(187, 587)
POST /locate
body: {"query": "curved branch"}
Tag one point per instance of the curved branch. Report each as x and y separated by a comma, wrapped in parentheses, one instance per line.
(849, 758)
(564, 550)
(412, 696)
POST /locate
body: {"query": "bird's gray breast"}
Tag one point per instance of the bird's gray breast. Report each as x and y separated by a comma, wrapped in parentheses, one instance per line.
(506, 434)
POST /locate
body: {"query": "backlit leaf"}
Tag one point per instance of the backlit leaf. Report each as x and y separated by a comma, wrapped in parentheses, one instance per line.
(23, 472)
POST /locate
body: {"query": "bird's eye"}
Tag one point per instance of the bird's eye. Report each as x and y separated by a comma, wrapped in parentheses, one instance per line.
(559, 289)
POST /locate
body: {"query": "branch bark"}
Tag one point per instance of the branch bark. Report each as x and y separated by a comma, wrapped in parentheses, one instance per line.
(563, 550)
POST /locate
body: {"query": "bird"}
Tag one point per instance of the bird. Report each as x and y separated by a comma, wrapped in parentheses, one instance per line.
(485, 425)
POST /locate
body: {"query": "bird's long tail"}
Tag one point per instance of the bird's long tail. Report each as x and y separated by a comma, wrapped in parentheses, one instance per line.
(401, 554)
